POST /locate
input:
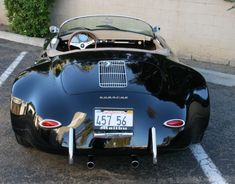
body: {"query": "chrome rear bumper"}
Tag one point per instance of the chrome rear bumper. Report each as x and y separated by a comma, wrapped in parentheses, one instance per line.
(72, 146)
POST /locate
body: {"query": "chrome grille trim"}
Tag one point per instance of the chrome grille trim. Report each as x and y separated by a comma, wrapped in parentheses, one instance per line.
(112, 74)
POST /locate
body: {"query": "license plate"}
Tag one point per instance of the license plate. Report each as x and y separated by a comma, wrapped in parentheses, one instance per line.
(113, 119)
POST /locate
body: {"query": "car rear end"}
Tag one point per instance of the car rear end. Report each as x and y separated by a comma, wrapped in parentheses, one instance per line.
(136, 104)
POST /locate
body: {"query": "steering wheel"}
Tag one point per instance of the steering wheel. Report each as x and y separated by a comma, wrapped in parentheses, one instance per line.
(81, 40)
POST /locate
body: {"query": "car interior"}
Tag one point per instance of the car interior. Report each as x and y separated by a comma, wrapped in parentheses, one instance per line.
(80, 40)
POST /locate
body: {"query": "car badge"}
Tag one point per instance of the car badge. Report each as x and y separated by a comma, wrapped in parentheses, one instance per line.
(114, 97)
(107, 63)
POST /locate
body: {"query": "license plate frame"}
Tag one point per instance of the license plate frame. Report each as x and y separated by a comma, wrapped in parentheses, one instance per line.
(113, 123)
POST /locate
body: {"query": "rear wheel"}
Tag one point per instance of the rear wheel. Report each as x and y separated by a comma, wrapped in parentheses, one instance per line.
(197, 138)
(22, 141)
(198, 118)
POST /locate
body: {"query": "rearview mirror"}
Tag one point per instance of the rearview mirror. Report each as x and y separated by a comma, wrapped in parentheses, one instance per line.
(54, 29)
(156, 29)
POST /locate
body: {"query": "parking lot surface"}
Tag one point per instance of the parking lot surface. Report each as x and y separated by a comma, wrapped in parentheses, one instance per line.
(27, 165)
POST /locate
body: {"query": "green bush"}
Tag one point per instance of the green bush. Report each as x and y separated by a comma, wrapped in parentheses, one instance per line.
(29, 17)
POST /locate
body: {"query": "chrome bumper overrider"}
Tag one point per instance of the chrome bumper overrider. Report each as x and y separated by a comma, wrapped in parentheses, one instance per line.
(154, 145)
(72, 144)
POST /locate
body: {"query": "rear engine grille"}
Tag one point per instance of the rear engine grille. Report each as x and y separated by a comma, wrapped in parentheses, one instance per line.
(112, 74)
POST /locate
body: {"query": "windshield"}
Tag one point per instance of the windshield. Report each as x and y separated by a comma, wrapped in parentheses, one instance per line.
(115, 23)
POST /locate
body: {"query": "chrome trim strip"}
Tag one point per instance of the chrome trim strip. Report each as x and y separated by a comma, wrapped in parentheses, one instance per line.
(154, 145)
(71, 145)
(111, 135)
(165, 123)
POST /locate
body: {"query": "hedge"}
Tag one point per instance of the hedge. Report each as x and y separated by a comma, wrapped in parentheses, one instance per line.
(29, 17)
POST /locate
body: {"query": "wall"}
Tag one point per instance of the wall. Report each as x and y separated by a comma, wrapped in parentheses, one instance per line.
(3, 18)
(195, 29)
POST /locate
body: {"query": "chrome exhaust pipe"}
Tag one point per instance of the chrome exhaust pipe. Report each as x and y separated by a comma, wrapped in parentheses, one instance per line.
(134, 163)
(90, 163)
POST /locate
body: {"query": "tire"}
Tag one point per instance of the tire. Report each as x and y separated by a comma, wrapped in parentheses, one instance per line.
(198, 125)
(22, 141)
(198, 118)
(197, 138)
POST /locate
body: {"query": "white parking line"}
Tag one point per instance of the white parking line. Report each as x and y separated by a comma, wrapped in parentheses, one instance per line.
(217, 77)
(11, 68)
(210, 170)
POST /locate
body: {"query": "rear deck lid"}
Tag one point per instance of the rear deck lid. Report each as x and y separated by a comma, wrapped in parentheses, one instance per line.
(126, 75)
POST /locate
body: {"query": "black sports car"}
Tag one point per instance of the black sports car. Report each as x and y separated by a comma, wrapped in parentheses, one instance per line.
(108, 85)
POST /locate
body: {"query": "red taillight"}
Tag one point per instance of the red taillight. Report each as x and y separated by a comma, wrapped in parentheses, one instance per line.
(174, 123)
(49, 123)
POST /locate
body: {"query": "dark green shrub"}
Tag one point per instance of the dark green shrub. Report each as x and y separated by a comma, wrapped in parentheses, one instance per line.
(29, 17)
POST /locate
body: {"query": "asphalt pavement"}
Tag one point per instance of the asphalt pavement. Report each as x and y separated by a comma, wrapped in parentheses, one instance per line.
(29, 165)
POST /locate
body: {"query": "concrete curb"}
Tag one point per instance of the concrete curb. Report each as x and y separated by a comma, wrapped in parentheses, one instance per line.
(217, 77)
(22, 39)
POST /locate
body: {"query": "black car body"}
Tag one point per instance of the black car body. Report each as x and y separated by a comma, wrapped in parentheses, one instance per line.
(108, 90)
